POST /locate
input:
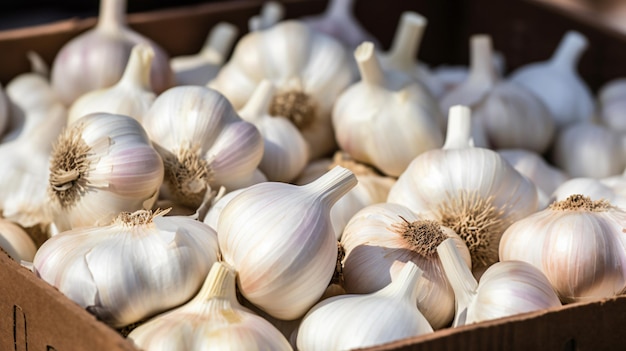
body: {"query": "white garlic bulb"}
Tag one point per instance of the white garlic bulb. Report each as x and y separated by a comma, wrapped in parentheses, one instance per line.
(381, 238)
(212, 320)
(453, 75)
(372, 187)
(219, 202)
(351, 321)
(381, 124)
(96, 58)
(338, 21)
(279, 238)
(285, 151)
(271, 13)
(612, 104)
(506, 288)
(203, 142)
(16, 242)
(101, 165)
(130, 96)
(593, 188)
(200, 68)
(309, 71)
(589, 149)
(557, 83)
(577, 243)
(546, 177)
(473, 191)
(140, 264)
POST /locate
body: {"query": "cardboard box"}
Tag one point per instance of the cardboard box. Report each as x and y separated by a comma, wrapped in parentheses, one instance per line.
(36, 316)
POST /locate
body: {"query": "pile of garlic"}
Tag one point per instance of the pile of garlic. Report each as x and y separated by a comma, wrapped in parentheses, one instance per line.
(310, 191)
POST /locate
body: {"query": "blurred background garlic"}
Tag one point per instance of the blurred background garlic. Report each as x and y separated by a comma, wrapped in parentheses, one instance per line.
(403, 53)
(338, 21)
(96, 58)
(5, 110)
(271, 13)
(578, 243)
(285, 151)
(140, 264)
(472, 190)
(16, 241)
(372, 187)
(546, 177)
(309, 71)
(382, 123)
(611, 103)
(450, 76)
(557, 83)
(200, 68)
(378, 242)
(101, 165)
(212, 319)
(131, 95)
(351, 321)
(203, 142)
(505, 289)
(279, 239)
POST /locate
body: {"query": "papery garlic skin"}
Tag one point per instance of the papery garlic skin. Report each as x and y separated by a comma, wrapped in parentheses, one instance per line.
(101, 165)
(200, 68)
(279, 238)
(140, 265)
(309, 71)
(381, 124)
(577, 243)
(353, 321)
(372, 187)
(472, 190)
(96, 58)
(16, 242)
(130, 96)
(381, 238)
(203, 142)
(212, 320)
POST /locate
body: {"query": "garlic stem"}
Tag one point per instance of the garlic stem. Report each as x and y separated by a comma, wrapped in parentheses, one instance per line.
(460, 277)
(481, 63)
(219, 42)
(405, 284)
(332, 185)
(112, 15)
(369, 66)
(219, 284)
(259, 103)
(339, 9)
(137, 71)
(407, 39)
(37, 64)
(458, 134)
(569, 50)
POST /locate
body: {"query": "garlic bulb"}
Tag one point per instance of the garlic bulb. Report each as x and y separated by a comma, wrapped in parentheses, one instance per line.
(372, 187)
(593, 188)
(577, 243)
(380, 239)
(212, 320)
(505, 289)
(285, 151)
(588, 149)
(381, 124)
(338, 21)
(347, 322)
(453, 75)
(271, 13)
(101, 165)
(473, 191)
(203, 142)
(279, 238)
(557, 83)
(16, 242)
(96, 58)
(130, 96)
(545, 176)
(200, 68)
(216, 208)
(141, 264)
(401, 56)
(308, 69)
(612, 103)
